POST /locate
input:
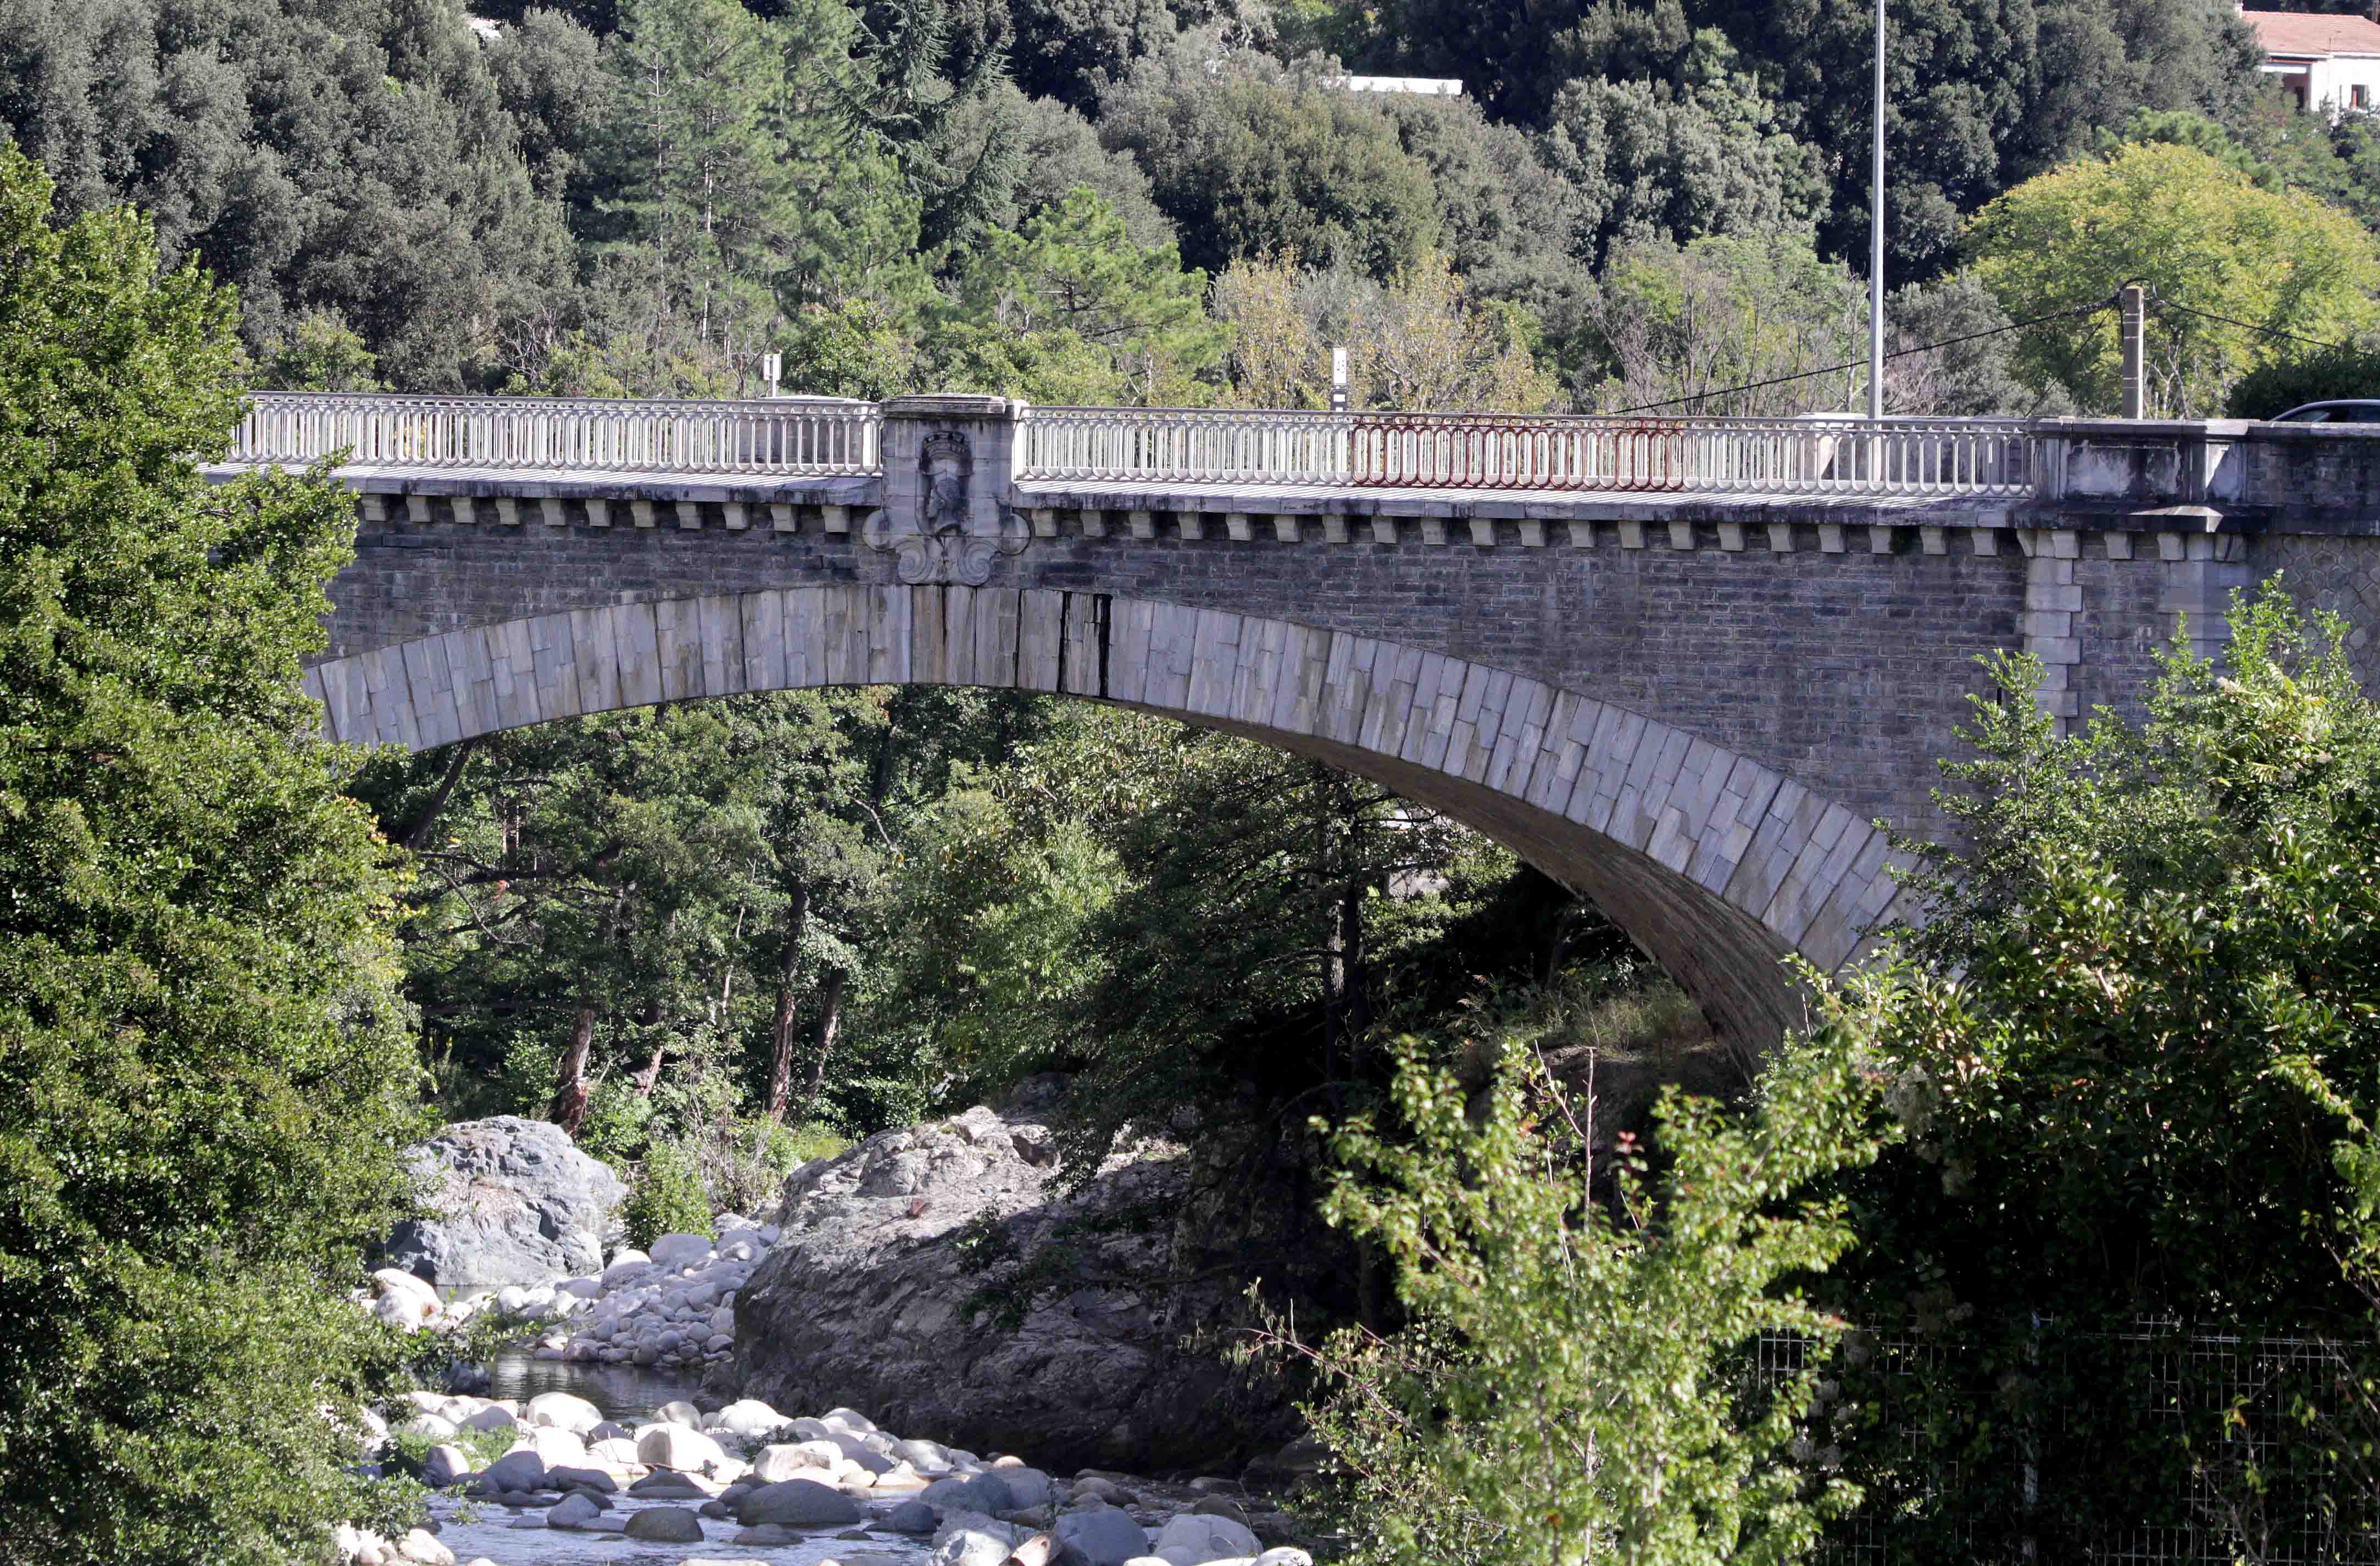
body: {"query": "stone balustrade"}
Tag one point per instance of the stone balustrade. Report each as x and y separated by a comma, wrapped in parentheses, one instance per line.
(2152, 476)
(784, 436)
(1815, 456)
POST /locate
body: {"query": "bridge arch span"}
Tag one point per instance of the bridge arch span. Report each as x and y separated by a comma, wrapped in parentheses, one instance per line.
(1718, 865)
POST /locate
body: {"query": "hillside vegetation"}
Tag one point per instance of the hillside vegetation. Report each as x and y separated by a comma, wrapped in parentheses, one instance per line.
(1127, 201)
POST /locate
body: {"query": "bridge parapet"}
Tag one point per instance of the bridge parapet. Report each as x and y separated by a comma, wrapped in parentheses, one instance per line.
(790, 436)
(1820, 456)
(2094, 475)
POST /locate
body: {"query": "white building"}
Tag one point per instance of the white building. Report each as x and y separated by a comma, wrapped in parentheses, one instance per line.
(2329, 64)
(1423, 86)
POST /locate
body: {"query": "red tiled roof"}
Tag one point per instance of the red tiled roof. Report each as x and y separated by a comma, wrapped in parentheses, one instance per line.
(2295, 33)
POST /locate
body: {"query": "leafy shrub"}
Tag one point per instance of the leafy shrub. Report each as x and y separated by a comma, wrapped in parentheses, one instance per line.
(2350, 369)
(409, 1454)
(743, 1165)
(1572, 1381)
(667, 1198)
(2141, 1016)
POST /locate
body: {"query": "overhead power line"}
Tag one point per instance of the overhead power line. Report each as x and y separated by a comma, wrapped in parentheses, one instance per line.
(2108, 303)
(2161, 302)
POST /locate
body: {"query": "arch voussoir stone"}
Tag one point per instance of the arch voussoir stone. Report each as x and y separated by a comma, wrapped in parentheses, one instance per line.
(1719, 865)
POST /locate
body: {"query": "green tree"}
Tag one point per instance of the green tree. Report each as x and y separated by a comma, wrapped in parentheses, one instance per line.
(202, 1060)
(357, 158)
(549, 76)
(1982, 95)
(2205, 238)
(1645, 159)
(1972, 374)
(2306, 375)
(1304, 890)
(1068, 310)
(320, 353)
(2154, 934)
(1074, 51)
(1057, 150)
(1670, 324)
(1508, 223)
(1250, 161)
(1420, 341)
(695, 156)
(1574, 1379)
(1000, 889)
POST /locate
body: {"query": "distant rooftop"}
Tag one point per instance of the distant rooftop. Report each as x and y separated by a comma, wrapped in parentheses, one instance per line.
(2296, 33)
(1426, 86)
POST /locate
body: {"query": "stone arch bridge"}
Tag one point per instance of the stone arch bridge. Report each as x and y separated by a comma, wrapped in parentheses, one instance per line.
(1685, 666)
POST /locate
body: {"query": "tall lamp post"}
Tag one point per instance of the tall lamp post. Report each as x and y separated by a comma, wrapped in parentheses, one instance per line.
(1876, 242)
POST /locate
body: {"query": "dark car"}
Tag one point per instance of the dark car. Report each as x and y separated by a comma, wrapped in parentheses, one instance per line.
(2331, 413)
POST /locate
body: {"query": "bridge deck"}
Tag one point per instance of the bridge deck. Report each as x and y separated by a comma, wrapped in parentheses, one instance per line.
(1296, 500)
(1264, 500)
(579, 483)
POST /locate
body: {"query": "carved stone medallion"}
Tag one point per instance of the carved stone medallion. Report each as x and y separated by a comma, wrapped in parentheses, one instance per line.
(952, 538)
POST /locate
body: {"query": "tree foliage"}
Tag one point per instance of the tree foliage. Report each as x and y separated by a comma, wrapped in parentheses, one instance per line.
(357, 159)
(1423, 340)
(203, 1063)
(1249, 161)
(2205, 238)
(1673, 324)
(2155, 934)
(1576, 1377)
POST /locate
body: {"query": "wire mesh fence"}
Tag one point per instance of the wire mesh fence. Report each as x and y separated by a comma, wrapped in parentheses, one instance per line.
(2162, 1445)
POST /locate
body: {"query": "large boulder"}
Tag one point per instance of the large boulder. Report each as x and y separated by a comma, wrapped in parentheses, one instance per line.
(1105, 1537)
(675, 1446)
(515, 1201)
(876, 1295)
(665, 1524)
(1192, 1539)
(797, 1503)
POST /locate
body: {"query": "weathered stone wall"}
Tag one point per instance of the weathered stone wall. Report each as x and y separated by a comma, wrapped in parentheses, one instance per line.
(2339, 574)
(1847, 669)
(1826, 665)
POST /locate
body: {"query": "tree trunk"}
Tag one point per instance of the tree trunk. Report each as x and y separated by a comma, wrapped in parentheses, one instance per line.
(416, 835)
(1330, 864)
(1355, 987)
(656, 1018)
(829, 1022)
(781, 1025)
(569, 1105)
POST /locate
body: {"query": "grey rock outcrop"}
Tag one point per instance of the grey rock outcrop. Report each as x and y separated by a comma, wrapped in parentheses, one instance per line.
(943, 1279)
(516, 1202)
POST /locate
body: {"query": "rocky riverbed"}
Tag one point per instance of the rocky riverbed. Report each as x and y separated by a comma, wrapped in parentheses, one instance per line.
(745, 1483)
(866, 1285)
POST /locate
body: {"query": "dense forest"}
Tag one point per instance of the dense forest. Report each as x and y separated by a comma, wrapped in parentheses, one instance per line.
(1083, 201)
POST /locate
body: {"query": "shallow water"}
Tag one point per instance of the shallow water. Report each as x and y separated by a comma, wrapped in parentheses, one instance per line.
(628, 1393)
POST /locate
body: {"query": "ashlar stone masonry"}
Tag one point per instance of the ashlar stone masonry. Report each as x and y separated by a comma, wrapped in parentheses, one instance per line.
(1696, 710)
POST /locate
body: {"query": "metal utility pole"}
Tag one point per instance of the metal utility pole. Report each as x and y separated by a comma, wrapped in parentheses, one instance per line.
(1876, 242)
(2131, 311)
